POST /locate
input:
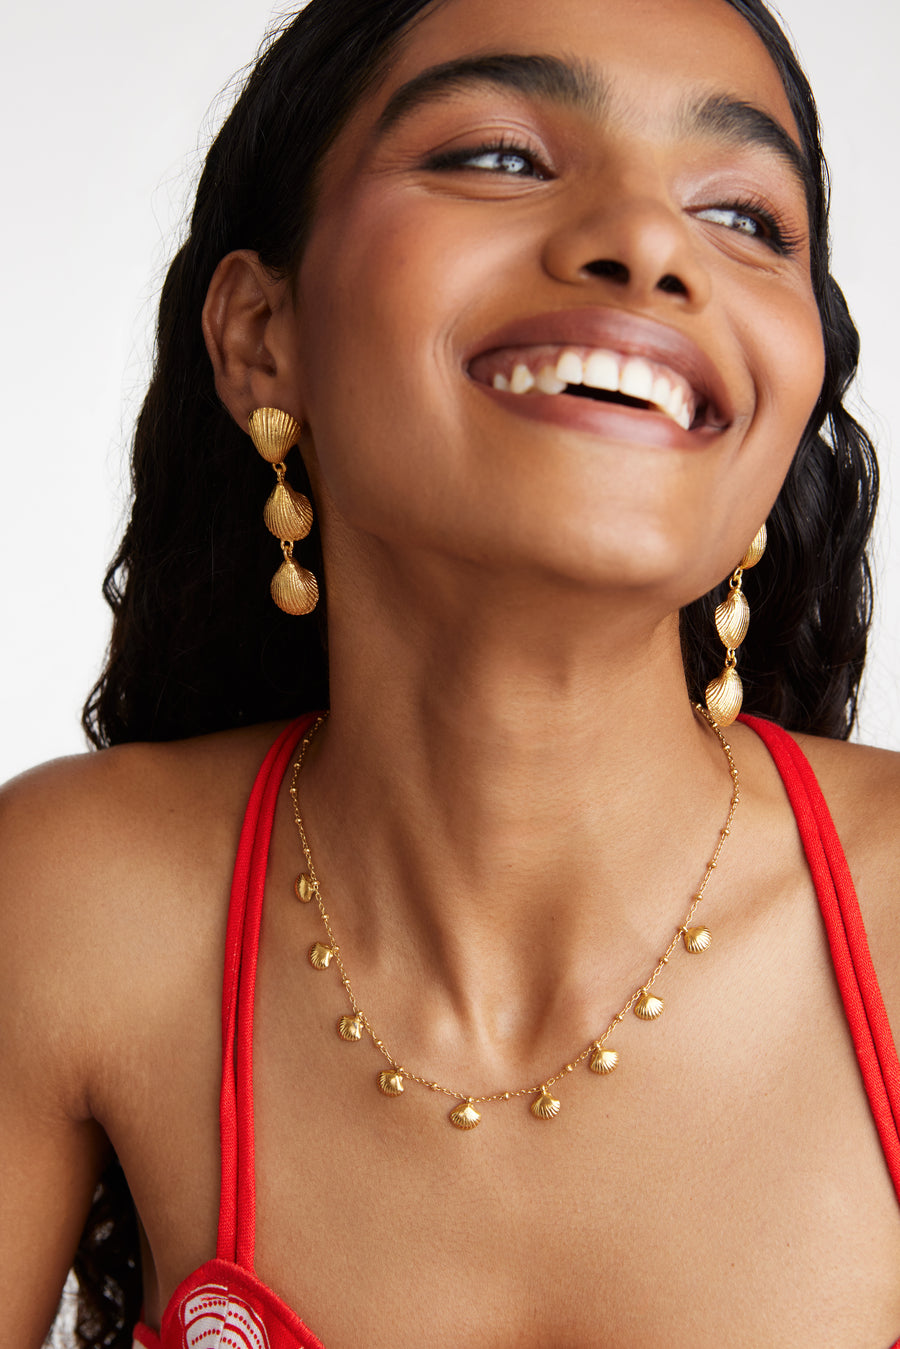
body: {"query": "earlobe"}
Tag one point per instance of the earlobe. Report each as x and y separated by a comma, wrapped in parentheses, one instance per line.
(246, 345)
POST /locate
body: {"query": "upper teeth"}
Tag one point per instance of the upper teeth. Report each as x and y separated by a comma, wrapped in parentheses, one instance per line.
(609, 370)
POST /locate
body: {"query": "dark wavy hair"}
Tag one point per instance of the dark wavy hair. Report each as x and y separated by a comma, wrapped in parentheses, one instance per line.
(196, 644)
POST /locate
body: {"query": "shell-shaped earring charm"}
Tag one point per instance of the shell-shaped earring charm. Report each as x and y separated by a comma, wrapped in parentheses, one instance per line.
(303, 888)
(733, 618)
(648, 1006)
(273, 432)
(391, 1083)
(604, 1061)
(724, 696)
(544, 1106)
(350, 1028)
(696, 939)
(465, 1116)
(288, 514)
(294, 589)
(756, 549)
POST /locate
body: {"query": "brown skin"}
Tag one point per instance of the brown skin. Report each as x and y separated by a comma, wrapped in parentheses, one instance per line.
(493, 804)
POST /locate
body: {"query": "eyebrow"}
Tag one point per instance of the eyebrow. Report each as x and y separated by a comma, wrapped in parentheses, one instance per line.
(576, 84)
(738, 123)
(549, 77)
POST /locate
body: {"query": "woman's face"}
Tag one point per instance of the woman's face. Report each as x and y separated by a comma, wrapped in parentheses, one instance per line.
(555, 313)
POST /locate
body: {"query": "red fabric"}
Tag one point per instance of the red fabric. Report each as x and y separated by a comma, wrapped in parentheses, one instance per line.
(237, 1211)
(863, 1003)
(223, 1305)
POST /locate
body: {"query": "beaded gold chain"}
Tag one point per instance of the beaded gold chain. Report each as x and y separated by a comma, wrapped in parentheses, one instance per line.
(603, 1060)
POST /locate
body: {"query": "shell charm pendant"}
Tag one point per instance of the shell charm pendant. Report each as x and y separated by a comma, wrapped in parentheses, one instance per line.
(648, 1007)
(320, 955)
(724, 696)
(465, 1116)
(696, 939)
(391, 1083)
(604, 1061)
(733, 619)
(294, 589)
(350, 1028)
(303, 888)
(287, 514)
(756, 549)
(544, 1106)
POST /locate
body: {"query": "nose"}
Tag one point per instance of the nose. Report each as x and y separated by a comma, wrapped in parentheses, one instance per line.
(631, 239)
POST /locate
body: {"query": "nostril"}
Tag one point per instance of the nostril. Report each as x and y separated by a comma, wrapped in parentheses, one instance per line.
(672, 285)
(608, 267)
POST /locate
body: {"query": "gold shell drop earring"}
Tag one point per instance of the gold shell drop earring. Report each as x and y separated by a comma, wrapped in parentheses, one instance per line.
(288, 514)
(725, 693)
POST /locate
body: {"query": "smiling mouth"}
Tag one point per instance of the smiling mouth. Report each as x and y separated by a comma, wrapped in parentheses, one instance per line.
(597, 373)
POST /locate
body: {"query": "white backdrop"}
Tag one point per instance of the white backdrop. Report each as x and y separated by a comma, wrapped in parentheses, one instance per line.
(106, 111)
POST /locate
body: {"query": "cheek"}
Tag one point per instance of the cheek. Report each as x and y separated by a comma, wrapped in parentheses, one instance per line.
(782, 334)
(777, 330)
(359, 357)
(384, 293)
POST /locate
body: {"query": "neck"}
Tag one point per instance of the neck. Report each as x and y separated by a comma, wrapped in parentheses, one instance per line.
(486, 805)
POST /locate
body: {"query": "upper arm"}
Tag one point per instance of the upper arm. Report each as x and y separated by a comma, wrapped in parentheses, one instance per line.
(52, 1151)
(104, 859)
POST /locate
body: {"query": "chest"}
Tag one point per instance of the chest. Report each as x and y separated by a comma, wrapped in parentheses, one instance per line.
(725, 1184)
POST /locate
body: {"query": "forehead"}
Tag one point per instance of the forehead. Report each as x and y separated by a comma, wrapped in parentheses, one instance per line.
(651, 54)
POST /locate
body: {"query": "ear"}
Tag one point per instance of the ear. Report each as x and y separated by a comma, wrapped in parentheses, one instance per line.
(252, 339)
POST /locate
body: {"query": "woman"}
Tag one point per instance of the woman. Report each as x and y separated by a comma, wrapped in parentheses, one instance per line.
(423, 242)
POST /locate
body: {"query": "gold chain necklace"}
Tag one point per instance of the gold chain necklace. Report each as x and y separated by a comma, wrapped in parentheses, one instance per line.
(643, 1002)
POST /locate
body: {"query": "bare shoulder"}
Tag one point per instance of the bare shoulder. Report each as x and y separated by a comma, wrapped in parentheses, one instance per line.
(114, 883)
(861, 785)
(114, 879)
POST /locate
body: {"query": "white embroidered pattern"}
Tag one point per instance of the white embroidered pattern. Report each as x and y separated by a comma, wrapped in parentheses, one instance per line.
(214, 1320)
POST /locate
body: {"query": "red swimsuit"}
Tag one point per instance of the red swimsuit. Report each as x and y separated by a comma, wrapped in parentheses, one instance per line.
(223, 1305)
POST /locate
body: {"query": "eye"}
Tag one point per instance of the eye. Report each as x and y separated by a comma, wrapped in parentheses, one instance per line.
(733, 219)
(499, 157)
(755, 221)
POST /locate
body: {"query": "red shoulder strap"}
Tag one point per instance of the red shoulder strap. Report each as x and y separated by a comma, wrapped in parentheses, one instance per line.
(863, 1003)
(237, 1201)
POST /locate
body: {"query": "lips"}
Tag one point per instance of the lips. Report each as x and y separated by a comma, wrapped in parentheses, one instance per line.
(606, 355)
